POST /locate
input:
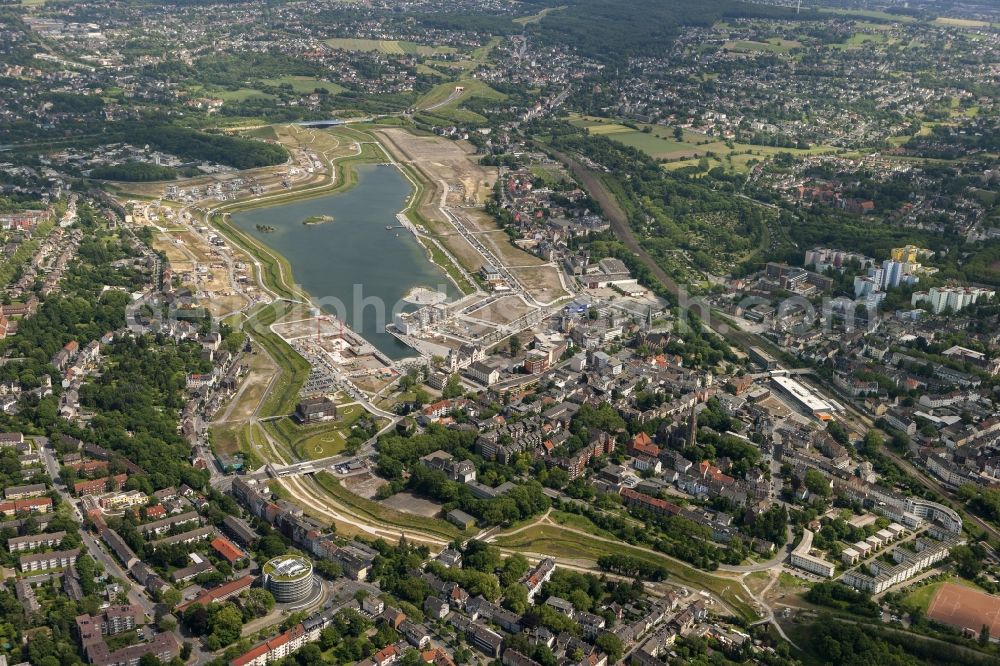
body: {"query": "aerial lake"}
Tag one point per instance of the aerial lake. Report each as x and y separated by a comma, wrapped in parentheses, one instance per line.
(350, 256)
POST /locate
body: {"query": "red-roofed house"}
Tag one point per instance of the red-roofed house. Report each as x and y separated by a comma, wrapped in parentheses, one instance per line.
(227, 549)
(274, 649)
(642, 444)
(218, 593)
(33, 505)
(155, 512)
(650, 503)
(386, 655)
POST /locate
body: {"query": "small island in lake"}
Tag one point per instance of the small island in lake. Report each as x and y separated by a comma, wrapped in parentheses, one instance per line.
(317, 219)
(265, 228)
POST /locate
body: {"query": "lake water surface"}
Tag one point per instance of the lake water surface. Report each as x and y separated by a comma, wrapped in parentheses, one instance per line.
(352, 260)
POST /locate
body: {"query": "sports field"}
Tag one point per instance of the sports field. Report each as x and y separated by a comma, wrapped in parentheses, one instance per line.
(964, 608)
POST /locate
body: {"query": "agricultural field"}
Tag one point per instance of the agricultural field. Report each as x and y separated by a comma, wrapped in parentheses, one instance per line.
(661, 144)
(239, 95)
(865, 13)
(304, 85)
(388, 46)
(960, 23)
(770, 46)
(859, 39)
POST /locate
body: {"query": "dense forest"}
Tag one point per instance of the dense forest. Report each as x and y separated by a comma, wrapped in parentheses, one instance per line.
(136, 172)
(610, 30)
(193, 145)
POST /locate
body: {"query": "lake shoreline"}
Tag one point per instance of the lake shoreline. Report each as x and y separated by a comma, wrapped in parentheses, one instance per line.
(328, 261)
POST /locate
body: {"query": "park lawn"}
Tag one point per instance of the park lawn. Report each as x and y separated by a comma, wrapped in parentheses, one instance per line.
(319, 440)
(384, 514)
(305, 85)
(388, 46)
(553, 541)
(322, 444)
(452, 111)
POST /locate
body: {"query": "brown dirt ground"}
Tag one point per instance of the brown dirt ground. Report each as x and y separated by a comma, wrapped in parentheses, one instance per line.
(963, 607)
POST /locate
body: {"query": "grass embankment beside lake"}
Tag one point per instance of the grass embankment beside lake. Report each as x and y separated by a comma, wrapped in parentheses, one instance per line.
(276, 274)
(421, 196)
(557, 542)
(379, 513)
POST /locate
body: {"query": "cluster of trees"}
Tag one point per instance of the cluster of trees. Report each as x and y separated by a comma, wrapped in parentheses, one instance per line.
(828, 641)
(668, 211)
(523, 501)
(222, 624)
(772, 525)
(191, 144)
(138, 172)
(610, 31)
(627, 565)
(136, 401)
(672, 535)
(839, 596)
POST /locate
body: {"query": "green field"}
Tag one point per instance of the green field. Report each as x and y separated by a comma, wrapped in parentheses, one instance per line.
(442, 102)
(236, 439)
(384, 514)
(305, 84)
(774, 45)
(239, 95)
(921, 597)
(388, 46)
(556, 542)
(859, 39)
(960, 23)
(265, 132)
(472, 88)
(535, 18)
(579, 522)
(864, 13)
(320, 440)
(659, 143)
